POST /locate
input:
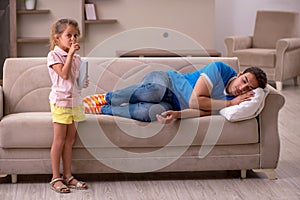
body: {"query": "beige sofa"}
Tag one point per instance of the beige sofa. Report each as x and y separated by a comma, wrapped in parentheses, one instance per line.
(107, 144)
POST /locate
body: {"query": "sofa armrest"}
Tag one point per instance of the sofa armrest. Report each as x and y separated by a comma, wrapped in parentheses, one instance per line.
(287, 56)
(269, 134)
(1, 103)
(237, 42)
(288, 44)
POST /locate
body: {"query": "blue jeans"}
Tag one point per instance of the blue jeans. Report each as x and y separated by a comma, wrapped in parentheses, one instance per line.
(142, 101)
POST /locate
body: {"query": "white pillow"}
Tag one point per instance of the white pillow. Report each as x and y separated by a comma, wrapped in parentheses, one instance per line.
(246, 109)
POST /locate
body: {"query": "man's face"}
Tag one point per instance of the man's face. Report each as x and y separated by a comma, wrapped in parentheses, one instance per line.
(242, 84)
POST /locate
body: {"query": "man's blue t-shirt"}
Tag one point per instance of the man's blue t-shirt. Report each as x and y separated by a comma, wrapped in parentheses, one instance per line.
(218, 75)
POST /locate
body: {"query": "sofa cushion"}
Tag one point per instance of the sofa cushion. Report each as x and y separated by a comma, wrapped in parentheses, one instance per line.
(28, 130)
(256, 57)
(35, 130)
(125, 132)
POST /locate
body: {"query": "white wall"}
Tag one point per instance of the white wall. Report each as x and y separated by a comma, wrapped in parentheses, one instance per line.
(208, 22)
(39, 25)
(193, 18)
(237, 17)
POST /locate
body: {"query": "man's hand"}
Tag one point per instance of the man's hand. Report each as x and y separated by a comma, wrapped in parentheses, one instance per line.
(241, 98)
(168, 116)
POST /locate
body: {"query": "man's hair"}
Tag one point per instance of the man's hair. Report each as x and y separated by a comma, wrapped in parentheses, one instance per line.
(260, 75)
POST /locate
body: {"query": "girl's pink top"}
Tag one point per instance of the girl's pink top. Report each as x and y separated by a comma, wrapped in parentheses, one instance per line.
(65, 93)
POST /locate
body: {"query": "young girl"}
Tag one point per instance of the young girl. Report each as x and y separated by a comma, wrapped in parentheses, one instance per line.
(65, 102)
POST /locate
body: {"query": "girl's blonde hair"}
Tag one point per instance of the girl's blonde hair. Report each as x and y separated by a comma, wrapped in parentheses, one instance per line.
(59, 27)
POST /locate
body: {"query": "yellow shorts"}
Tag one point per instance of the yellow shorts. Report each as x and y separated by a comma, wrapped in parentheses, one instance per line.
(66, 115)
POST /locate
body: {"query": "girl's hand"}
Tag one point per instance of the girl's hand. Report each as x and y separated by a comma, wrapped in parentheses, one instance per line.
(241, 98)
(168, 116)
(86, 83)
(74, 47)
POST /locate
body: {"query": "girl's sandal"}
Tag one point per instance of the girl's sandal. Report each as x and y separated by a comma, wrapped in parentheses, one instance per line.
(61, 188)
(78, 186)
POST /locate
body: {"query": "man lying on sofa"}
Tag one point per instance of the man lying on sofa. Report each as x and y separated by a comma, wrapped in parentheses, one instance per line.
(169, 95)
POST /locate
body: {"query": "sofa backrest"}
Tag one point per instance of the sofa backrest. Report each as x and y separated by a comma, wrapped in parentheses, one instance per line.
(26, 81)
(26, 85)
(270, 26)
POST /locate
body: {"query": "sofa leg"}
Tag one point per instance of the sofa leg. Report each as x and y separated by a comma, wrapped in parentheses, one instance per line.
(296, 80)
(14, 178)
(279, 85)
(270, 173)
(243, 173)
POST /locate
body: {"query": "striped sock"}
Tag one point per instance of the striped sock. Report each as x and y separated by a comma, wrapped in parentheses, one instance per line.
(92, 104)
